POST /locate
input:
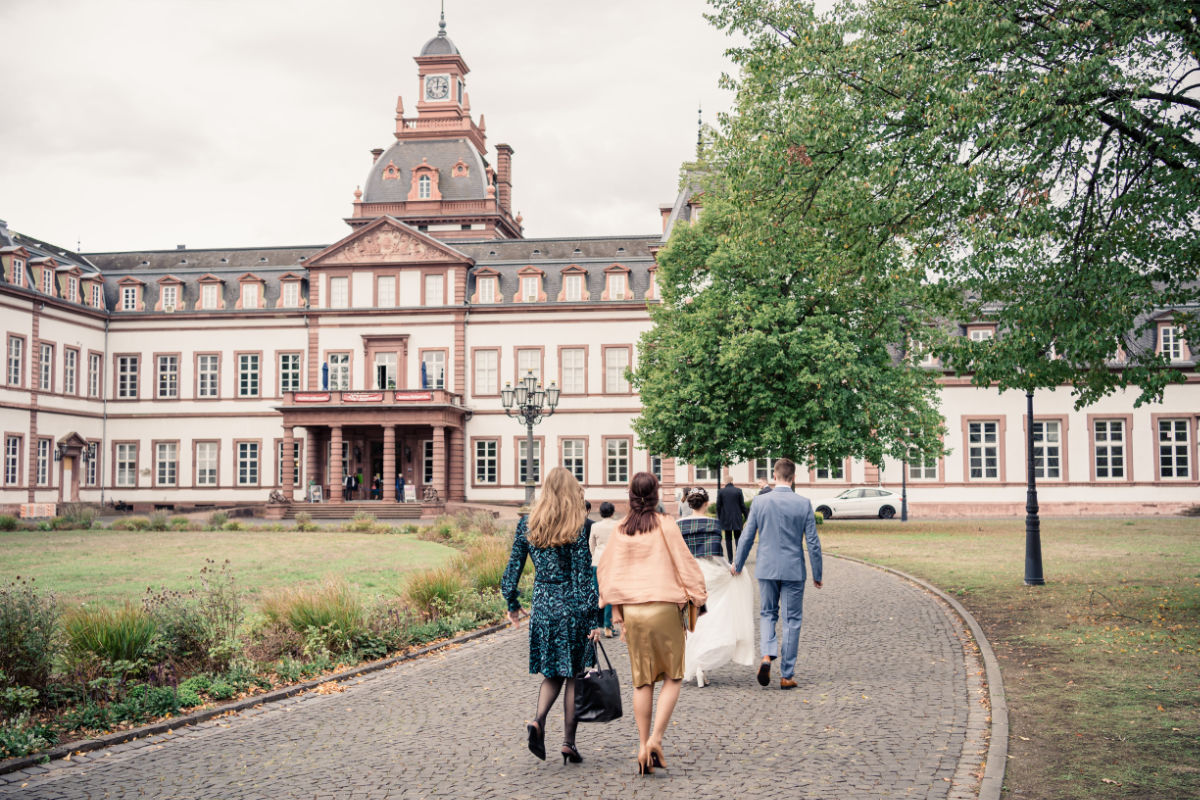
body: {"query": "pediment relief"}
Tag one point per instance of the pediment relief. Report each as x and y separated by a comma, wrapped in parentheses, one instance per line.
(389, 244)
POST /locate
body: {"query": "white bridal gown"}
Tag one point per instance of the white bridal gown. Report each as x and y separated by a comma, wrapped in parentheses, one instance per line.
(726, 632)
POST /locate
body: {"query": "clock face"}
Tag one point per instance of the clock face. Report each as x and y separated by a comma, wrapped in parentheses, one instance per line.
(437, 87)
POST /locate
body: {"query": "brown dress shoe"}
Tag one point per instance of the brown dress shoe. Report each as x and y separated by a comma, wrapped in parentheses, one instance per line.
(787, 683)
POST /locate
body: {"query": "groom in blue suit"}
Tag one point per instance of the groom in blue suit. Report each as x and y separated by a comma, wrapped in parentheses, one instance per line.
(786, 522)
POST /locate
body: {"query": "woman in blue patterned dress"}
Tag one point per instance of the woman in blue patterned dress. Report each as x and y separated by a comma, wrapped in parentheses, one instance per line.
(565, 611)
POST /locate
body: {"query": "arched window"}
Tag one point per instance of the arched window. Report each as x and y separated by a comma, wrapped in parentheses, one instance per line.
(424, 187)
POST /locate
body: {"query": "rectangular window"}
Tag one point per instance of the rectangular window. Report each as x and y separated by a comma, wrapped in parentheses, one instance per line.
(248, 364)
(529, 288)
(43, 462)
(764, 469)
(433, 363)
(18, 272)
(486, 466)
(247, 463)
(1047, 450)
(250, 295)
(434, 290)
(46, 368)
(982, 334)
(487, 372)
(166, 463)
(291, 294)
(129, 298)
(339, 372)
(296, 465)
(97, 296)
(831, 471)
(168, 376)
(574, 453)
(616, 460)
(48, 281)
(208, 375)
(289, 372)
(1174, 448)
(574, 370)
(921, 467)
(210, 296)
(339, 292)
(1110, 448)
(983, 449)
(573, 288)
(70, 370)
(656, 466)
(127, 377)
(487, 290)
(73, 289)
(95, 365)
(427, 461)
(529, 361)
(522, 449)
(16, 360)
(616, 361)
(705, 474)
(1170, 343)
(385, 370)
(91, 467)
(127, 463)
(386, 291)
(617, 286)
(12, 460)
(170, 298)
(206, 463)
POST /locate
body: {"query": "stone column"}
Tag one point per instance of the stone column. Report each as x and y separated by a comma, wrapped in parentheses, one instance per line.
(389, 463)
(457, 472)
(334, 467)
(439, 461)
(289, 462)
(312, 457)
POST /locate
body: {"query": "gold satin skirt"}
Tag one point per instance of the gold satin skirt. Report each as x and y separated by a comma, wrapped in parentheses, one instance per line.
(654, 635)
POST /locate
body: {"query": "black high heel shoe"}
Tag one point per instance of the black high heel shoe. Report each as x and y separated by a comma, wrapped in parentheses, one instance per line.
(537, 740)
(569, 753)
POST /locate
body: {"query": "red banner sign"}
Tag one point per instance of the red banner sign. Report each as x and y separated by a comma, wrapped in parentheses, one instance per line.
(362, 397)
(413, 397)
(312, 397)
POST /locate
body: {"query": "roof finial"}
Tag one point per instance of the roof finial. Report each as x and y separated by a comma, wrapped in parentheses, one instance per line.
(442, 22)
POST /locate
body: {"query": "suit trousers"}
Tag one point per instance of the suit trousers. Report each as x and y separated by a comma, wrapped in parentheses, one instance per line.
(789, 594)
(731, 540)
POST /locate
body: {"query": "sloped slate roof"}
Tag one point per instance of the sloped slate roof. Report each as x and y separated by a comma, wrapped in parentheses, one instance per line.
(442, 155)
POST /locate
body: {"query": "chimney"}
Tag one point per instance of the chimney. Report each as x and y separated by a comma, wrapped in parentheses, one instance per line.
(375, 154)
(504, 154)
(181, 247)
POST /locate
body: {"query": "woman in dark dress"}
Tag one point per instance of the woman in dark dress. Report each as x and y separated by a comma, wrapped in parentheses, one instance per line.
(565, 612)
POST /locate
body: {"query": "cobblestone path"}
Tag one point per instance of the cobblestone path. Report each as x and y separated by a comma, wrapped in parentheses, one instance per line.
(888, 706)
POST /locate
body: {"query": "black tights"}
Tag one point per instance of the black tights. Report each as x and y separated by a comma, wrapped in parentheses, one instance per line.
(546, 697)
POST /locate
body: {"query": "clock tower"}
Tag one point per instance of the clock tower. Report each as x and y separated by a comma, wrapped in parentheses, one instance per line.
(442, 101)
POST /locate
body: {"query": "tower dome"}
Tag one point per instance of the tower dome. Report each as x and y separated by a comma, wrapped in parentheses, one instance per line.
(440, 45)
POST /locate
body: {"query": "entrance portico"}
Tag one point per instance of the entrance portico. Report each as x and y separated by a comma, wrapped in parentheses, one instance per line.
(417, 434)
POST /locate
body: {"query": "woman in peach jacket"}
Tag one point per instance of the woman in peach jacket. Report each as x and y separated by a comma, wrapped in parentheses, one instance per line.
(647, 574)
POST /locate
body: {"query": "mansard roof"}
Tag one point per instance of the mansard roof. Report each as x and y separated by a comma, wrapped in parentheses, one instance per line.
(442, 155)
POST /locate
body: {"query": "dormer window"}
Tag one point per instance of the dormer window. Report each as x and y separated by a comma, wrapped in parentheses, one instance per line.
(170, 297)
(574, 285)
(291, 294)
(652, 290)
(48, 280)
(251, 291)
(487, 290)
(1171, 343)
(73, 289)
(424, 183)
(18, 272)
(982, 333)
(530, 286)
(129, 298)
(210, 293)
(487, 286)
(460, 169)
(250, 295)
(390, 172)
(97, 296)
(616, 283)
(424, 187)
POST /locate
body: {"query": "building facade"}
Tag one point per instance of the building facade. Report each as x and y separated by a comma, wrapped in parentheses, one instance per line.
(186, 378)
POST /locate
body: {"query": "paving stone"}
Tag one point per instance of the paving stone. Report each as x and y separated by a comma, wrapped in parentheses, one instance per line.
(887, 706)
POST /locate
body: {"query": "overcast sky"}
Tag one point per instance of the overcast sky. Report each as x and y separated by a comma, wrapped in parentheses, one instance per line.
(143, 124)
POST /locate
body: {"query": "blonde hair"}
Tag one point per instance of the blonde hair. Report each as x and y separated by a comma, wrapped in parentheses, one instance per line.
(558, 513)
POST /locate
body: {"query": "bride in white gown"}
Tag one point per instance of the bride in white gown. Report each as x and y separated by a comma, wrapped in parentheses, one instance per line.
(726, 632)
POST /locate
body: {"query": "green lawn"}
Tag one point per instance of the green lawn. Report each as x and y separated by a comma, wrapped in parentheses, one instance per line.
(1101, 665)
(112, 566)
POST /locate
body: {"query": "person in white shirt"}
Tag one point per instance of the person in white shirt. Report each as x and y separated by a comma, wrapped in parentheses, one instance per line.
(600, 532)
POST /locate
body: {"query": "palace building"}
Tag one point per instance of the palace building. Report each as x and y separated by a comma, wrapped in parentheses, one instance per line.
(188, 378)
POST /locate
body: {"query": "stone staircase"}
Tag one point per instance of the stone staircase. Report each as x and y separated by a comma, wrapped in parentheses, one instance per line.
(378, 509)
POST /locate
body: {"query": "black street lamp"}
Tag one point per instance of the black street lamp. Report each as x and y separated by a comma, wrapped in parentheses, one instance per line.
(1033, 525)
(531, 404)
(904, 490)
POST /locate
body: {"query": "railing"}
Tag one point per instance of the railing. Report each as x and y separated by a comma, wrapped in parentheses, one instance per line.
(373, 397)
(445, 208)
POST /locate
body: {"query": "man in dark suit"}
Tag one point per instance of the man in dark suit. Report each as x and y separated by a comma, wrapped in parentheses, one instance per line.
(731, 513)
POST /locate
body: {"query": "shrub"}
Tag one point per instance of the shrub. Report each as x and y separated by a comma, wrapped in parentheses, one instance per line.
(217, 520)
(156, 701)
(130, 524)
(304, 522)
(19, 738)
(111, 635)
(484, 562)
(820, 517)
(28, 619)
(433, 591)
(17, 699)
(180, 523)
(196, 683)
(232, 525)
(363, 522)
(80, 516)
(289, 670)
(332, 608)
(159, 521)
(220, 690)
(203, 623)
(9, 522)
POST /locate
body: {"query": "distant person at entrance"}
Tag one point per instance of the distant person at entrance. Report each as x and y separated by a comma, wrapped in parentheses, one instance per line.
(348, 486)
(400, 486)
(377, 487)
(786, 522)
(564, 613)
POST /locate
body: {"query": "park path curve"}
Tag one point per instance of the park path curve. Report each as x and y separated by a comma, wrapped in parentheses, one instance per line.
(890, 704)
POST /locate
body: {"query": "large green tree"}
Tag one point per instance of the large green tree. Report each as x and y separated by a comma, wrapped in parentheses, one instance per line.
(1037, 157)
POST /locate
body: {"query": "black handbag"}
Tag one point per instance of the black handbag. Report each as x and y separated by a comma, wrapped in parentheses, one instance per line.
(597, 693)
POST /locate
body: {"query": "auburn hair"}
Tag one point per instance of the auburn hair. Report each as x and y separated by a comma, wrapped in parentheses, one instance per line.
(559, 513)
(643, 505)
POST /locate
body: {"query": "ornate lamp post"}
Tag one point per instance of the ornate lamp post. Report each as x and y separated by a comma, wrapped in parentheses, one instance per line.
(1033, 525)
(531, 404)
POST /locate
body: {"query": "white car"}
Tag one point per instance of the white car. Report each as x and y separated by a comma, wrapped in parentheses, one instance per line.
(870, 502)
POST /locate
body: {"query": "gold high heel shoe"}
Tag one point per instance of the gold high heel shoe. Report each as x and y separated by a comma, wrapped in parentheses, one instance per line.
(657, 759)
(644, 765)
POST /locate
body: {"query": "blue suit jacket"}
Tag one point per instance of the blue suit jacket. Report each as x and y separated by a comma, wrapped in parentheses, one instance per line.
(784, 521)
